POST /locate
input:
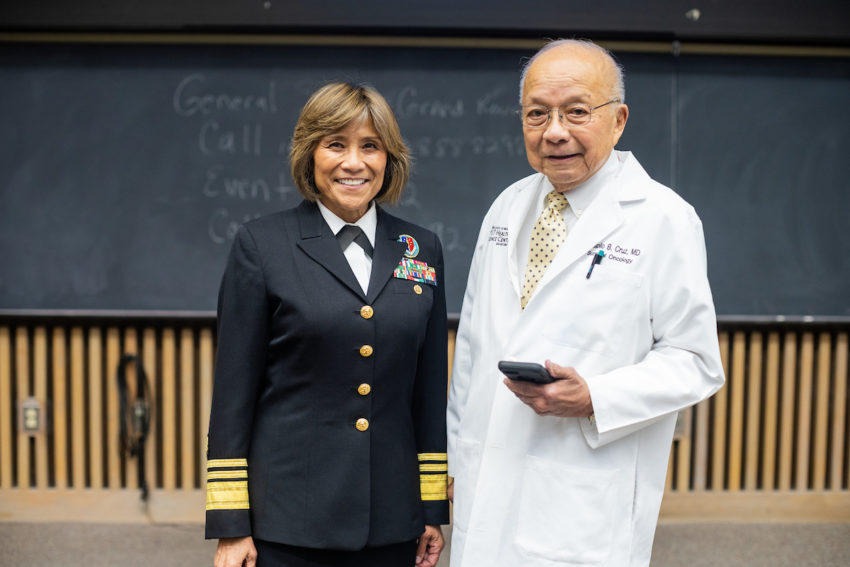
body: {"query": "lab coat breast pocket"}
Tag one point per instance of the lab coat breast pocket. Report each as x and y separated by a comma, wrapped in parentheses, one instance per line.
(591, 317)
(579, 529)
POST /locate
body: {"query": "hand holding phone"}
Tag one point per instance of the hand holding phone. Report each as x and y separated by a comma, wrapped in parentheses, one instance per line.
(525, 371)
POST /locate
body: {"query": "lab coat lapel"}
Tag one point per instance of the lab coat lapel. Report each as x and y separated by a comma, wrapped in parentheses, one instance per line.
(516, 216)
(388, 253)
(601, 218)
(320, 244)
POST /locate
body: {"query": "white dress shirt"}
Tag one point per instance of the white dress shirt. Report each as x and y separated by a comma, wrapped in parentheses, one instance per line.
(360, 262)
(579, 199)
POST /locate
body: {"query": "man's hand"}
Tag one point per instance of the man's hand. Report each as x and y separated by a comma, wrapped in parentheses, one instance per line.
(236, 552)
(431, 543)
(567, 396)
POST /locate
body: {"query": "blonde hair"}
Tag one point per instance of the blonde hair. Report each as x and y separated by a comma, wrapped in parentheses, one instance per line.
(331, 109)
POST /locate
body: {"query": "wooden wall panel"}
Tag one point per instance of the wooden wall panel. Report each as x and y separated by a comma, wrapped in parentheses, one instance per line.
(840, 469)
(59, 406)
(779, 425)
(786, 418)
(22, 372)
(6, 426)
(39, 391)
(720, 421)
(187, 417)
(95, 409)
(113, 441)
(78, 409)
(169, 409)
(754, 407)
(771, 411)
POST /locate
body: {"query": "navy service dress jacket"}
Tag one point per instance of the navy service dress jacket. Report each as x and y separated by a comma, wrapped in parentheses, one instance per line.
(327, 427)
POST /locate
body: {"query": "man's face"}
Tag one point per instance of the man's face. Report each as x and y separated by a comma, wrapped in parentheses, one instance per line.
(565, 153)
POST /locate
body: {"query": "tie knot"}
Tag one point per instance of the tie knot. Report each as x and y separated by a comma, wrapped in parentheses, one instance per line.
(556, 201)
(353, 233)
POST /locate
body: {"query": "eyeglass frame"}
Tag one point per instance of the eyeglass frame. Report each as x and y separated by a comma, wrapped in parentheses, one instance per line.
(561, 116)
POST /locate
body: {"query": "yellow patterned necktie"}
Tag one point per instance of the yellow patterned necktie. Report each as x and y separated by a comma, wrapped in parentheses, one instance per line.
(548, 234)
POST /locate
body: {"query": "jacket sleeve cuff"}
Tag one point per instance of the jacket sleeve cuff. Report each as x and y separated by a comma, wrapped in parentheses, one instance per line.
(228, 506)
(436, 512)
(433, 482)
(227, 523)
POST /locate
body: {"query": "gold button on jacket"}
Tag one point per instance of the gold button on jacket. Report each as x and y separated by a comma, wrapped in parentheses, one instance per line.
(365, 350)
(418, 289)
(366, 311)
(364, 389)
(362, 424)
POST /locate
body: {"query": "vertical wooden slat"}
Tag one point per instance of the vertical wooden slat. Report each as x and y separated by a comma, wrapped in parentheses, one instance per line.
(839, 414)
(824, 368)
(78, 410)
(113, 441)
(149, 361)
(131, 346)
(40, 392)
(60, 414)
(95, 383)
(786, 418)
(736, 418)
(804, 413)
(771, 410)
(753, 418)
(700, 437)
(683, 454)
(206, 384)
(22, 374)
(169, 429)
(718, 436)
(6, 457)
(186, 410)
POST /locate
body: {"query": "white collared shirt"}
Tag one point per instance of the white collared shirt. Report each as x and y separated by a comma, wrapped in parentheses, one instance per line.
(360, 262)
(579, 199)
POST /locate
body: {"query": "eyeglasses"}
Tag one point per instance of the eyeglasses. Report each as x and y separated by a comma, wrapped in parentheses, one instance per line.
(577, 114)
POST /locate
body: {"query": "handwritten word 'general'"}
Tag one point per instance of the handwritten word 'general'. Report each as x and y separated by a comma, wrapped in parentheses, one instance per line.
(191, 97)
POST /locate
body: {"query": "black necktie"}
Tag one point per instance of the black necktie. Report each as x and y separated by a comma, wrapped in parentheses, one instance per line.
(352, 233)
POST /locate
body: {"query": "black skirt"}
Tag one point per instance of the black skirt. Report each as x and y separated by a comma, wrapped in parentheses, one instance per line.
(271, 554)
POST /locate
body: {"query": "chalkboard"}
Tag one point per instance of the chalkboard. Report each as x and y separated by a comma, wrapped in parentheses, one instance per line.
(124, 170)
(778, 21)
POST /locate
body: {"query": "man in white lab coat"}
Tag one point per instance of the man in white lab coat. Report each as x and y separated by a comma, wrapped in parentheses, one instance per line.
(572, 472)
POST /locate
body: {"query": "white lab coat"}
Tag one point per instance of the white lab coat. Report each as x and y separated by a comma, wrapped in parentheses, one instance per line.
(536, 490)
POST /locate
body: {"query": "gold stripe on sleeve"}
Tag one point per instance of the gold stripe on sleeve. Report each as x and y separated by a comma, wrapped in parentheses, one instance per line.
(232, 463)
(433, 457)
(231, 495)
(433, 486)
(433, 467)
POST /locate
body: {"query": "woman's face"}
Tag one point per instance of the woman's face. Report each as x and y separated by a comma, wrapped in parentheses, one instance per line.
(349, 169)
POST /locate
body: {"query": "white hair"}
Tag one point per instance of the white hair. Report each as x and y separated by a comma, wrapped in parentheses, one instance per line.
(619, 82)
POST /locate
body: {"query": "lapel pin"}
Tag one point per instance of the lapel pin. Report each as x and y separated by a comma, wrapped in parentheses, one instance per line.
(412, 249)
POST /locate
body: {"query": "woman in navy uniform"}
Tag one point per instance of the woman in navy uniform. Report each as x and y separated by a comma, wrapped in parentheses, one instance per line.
(327, 440)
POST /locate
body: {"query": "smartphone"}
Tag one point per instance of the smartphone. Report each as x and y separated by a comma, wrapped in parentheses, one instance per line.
(526, 371)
